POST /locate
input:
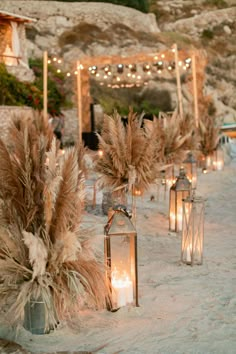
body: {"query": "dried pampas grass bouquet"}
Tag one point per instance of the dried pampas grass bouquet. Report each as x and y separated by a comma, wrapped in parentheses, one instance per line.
(44, 253)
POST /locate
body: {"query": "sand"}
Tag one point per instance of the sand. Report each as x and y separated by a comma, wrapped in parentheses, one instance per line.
(183, 309)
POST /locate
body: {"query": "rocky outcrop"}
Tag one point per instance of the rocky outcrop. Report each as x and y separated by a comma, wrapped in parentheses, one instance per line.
(55, 18)
(74, 30)
(195, 25)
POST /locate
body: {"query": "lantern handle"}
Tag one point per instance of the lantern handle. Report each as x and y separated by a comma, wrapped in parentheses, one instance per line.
(123, 209)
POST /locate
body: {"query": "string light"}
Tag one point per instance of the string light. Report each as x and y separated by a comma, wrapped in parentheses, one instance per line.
(131, 71)
(120, 68)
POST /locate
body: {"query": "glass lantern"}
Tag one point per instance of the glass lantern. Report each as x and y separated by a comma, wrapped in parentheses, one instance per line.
(193, 230)
(190, 165)
(179, 191)
(120, 245)
(218, 159)
(169, 176)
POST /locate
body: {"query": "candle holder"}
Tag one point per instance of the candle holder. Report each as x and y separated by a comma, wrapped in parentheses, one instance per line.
(120, 247)
(218, 159)
(193, 230)
(179, 191)
(190, 165)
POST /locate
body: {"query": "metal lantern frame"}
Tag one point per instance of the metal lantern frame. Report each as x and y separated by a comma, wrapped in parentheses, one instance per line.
(190, 165)
(180, 190)
(193, 230)
(121, 240)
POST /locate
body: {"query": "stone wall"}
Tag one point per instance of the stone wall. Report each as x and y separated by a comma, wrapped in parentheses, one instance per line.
(7, 113)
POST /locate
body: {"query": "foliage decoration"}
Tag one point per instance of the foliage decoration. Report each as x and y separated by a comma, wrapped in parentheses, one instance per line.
(128, 153)
(44, 252)
(17, 93)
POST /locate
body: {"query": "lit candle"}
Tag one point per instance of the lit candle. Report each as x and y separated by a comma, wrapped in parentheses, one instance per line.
(188, 254)
(219, 165)
(122, 289)
(179, 219)
(172, 221)
(100, 153)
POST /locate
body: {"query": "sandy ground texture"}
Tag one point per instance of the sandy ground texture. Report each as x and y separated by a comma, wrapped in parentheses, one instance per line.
(183, 309)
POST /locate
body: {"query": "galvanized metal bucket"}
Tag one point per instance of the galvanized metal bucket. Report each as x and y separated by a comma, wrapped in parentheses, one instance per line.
(34, 320)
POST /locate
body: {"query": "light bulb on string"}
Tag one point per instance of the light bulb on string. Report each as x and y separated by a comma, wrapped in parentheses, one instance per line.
(106, 68)
(80, 67)
(146, 67)
(120, 68)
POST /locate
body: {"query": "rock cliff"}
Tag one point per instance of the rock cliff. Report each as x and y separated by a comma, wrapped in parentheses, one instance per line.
(74, 30)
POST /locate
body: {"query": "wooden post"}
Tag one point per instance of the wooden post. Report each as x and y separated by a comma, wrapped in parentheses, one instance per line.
(45, 85)
(79, 100)
(195, 93)
(179, 92)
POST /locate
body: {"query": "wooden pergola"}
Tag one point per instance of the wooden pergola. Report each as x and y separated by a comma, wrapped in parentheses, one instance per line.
(171, 55)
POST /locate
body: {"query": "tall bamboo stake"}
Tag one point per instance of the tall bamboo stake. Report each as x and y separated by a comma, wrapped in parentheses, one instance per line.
(79, 101)
(45, 85)
(179, 92)
(195, 93)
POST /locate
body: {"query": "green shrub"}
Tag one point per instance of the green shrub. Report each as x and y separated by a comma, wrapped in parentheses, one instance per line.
(13, 92)
(207, 34)
(57, 95)
(16, 93)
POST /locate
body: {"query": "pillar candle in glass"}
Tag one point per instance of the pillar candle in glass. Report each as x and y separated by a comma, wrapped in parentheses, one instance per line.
(218, 159)
(193, 230)
(121, 259)
(190, 165)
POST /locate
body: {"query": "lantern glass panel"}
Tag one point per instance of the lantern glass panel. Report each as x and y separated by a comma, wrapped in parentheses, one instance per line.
(190, 165)
(193, 231)
(169, 177)
(176, 209)
(121, 260)
(218, 160)
(179, 191)
(122, 272)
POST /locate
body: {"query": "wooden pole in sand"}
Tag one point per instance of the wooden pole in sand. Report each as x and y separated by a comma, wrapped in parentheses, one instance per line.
(45, 85)
(195, 93)
(79, 100)
(179, 92)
